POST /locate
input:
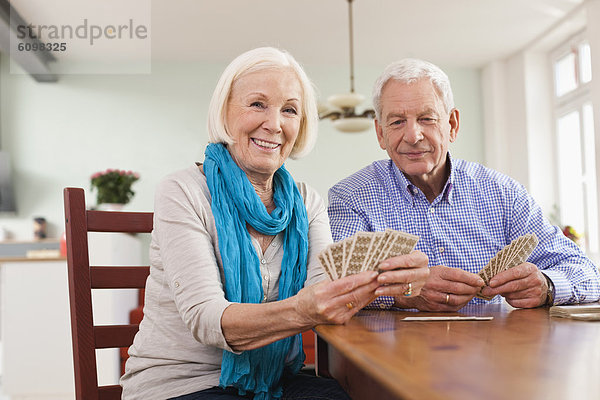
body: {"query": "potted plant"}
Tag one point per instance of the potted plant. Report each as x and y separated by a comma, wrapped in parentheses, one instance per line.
(113, 187)
(571, 233)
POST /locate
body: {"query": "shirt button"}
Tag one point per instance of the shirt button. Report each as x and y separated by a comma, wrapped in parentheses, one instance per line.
(263, 261)
(382, 305)
(441, 249)
(266, 277)
(265, 297)
(432, 210)
(176, 284)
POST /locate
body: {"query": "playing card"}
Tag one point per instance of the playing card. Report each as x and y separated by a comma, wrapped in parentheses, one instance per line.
(324, 260)
(391, 236)
(499, 259)
(403, 243)
(494, 265)
(334, 270)
(364, 251)
(529, 242)
(343, 245)
(376, 256)
(374, 247)
(336, 256)
(450, 318)
(348, 249)
(484, 274)
(361, 245)
(513, 254)
(515, 246)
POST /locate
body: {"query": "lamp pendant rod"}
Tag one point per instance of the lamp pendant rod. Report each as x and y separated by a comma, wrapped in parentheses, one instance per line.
(351, 46)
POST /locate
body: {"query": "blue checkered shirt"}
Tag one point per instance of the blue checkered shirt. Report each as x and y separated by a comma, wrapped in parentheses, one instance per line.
(478, 212)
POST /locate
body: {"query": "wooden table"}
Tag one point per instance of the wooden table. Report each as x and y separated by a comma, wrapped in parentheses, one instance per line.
(520, 354)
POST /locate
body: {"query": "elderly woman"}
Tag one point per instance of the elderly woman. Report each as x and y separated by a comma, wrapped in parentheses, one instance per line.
(234, 276)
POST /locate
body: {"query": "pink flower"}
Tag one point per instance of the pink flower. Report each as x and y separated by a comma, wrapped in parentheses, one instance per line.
(96, 175)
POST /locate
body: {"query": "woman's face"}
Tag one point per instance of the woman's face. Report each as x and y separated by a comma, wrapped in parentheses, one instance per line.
(263, 118)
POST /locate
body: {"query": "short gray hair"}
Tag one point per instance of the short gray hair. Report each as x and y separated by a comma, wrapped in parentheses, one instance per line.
(252, 61)
(410, 70)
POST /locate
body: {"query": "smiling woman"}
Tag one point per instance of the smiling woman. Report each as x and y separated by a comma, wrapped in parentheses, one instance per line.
(263, 123)
(246, 64)
(234, 275)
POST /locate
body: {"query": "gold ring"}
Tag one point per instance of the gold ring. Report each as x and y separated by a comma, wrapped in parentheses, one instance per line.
(350, 306)
(447, 297)
(408, 290)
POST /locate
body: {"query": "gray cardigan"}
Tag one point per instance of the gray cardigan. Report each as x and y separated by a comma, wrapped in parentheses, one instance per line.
(178, 348)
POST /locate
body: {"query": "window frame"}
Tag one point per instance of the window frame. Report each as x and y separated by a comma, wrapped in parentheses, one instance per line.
(574, 100)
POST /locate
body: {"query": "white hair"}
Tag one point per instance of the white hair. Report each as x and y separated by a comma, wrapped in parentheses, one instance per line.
(256, 60)
(410, 70)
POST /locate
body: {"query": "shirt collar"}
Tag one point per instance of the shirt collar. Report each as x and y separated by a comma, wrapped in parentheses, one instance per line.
(409, 190)
(448, 192)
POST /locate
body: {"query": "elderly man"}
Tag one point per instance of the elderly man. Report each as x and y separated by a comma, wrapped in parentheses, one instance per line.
(463, 212)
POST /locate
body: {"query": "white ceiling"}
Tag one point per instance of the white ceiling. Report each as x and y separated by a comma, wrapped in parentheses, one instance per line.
(466, 33)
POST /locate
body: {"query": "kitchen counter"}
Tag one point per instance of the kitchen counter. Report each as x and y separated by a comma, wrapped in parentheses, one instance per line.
(13, 250)
(30, 259)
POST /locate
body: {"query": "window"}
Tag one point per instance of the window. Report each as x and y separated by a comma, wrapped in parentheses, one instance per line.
(575, 141)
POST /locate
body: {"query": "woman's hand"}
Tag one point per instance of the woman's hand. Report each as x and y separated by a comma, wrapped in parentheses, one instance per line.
(403, 276)
(247, 326)
(335, 302)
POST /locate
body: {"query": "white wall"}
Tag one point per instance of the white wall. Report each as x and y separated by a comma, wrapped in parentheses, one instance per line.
(518, 115)
(58, 134)
(593, 33)
(518, 110)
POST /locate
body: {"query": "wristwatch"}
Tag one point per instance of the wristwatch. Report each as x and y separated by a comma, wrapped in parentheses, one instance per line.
(550, 292)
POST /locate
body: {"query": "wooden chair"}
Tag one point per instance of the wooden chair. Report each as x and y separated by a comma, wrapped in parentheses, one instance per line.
(83, 278)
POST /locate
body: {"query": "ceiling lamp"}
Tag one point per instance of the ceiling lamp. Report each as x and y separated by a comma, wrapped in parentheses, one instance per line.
(344, 115)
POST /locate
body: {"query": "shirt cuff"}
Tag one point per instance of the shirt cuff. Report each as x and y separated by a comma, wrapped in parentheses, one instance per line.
(381, 303)
(562, 286)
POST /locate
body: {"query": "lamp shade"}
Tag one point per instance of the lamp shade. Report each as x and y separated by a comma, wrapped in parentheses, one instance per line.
(346, 100)
(353, 124)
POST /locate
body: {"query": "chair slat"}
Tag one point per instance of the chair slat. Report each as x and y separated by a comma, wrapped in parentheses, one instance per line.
(84, 355)
(109, 392)
(112, 336)
(82, 278)
(127, 222)
(119, 277)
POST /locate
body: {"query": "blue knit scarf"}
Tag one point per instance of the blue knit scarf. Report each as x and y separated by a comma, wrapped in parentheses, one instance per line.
(235, 204)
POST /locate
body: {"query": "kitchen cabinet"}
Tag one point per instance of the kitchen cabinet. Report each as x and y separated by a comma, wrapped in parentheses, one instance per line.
(37, 361)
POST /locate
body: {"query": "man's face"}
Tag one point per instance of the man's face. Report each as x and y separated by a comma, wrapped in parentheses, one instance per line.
(415, 129)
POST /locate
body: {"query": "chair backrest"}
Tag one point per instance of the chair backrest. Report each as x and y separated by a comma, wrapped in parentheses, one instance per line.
(83, 278)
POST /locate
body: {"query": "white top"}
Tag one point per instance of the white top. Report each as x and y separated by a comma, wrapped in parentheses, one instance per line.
(179, 346)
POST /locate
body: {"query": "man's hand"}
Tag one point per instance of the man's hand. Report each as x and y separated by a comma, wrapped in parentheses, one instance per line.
(523, 286)
(447, 289)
